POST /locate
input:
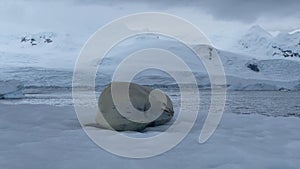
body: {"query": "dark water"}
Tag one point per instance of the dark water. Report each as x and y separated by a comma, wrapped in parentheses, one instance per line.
(268, 103)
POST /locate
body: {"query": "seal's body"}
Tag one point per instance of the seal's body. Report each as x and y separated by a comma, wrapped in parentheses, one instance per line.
(110, 117)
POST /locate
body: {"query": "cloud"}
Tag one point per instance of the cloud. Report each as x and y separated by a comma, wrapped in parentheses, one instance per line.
(88, 15)
(251, 10)
(240, 10)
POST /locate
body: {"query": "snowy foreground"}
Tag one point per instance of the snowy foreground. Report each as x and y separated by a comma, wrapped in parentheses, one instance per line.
(44, 136)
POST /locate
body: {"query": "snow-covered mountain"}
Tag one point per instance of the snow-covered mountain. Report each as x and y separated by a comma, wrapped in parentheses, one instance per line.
(47, 59)
(41, 49)
(255, 40)
(287, 45)
(259, 43)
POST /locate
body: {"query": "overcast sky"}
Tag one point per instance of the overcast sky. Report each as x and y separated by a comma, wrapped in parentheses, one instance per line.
(214, 17)
(241, 10)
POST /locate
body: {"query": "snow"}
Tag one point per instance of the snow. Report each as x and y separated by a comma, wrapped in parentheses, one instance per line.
(43, 136)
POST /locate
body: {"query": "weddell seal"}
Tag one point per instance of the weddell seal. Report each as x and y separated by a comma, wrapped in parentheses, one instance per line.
(144, 107)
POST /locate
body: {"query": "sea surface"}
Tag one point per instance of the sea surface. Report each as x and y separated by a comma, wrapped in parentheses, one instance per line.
(267, 103)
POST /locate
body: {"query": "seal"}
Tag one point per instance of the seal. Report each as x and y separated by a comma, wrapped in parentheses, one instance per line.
(140, 98)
